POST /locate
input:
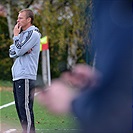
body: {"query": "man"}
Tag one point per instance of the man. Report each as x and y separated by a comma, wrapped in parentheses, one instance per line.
(103, 107)
(25, 50)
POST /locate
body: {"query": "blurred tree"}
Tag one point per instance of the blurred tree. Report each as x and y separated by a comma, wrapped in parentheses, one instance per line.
(64, 22)
(5, 61)
(4, 27)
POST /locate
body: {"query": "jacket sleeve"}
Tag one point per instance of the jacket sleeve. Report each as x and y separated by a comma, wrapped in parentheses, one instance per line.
(28, 42)
(12, 53)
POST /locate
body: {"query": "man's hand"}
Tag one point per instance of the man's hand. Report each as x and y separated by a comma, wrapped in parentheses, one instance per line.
(57, 97)
(80, 76)
(16, 30)
(29, 51)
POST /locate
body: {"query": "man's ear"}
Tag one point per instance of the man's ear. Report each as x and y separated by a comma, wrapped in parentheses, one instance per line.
(29, 19)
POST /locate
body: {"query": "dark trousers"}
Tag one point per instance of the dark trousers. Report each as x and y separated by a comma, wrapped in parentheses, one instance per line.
(23, 90)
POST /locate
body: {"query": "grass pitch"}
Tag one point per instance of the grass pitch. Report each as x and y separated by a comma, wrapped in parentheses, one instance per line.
(45, 122)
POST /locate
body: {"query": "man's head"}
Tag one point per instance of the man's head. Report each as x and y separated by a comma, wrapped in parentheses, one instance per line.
(25, 18)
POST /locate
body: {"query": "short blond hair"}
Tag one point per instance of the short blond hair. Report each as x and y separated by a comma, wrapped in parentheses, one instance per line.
(29, 14)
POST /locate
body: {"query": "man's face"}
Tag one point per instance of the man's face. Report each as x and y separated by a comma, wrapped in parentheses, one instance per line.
(22, 20)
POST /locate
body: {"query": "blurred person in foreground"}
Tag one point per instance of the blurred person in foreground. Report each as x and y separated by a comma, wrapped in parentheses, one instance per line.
(100, 98)
(25, 50)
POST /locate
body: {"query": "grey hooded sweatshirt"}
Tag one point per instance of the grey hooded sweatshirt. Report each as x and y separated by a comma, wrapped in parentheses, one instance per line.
(26, 63)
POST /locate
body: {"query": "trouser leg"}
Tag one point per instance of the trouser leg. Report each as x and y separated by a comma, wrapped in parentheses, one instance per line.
(24, 97)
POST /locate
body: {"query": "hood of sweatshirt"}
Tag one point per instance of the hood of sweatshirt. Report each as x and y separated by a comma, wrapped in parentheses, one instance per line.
(32, 28)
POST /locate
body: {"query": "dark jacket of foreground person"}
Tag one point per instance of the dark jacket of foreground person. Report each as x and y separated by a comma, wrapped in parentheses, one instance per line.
(108, 107)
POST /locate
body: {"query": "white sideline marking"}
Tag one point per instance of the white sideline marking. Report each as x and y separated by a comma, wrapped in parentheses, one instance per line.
(6, 105)
(12, 103)
(10, 130)
(13, 130)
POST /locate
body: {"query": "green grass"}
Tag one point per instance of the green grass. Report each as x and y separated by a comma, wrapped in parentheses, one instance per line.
(6, 97)
(43, 119)
(4, 83)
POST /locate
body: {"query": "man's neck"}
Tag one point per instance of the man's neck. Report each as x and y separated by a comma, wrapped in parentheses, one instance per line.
(26, 27)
